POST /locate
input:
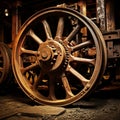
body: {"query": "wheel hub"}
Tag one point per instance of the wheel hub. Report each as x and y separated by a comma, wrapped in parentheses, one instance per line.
(45, 53)
(52, 55)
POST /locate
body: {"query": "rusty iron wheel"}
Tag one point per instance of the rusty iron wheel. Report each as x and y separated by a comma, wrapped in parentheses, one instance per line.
(5, 62)
(59, 55)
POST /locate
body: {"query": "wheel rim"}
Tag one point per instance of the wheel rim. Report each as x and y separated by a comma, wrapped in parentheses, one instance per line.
(55, 65)
(4, 62)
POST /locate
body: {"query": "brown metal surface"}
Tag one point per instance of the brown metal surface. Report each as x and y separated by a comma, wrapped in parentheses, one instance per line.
(51, 60)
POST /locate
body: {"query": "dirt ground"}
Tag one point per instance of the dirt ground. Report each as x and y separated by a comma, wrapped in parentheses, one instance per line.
(101, 105)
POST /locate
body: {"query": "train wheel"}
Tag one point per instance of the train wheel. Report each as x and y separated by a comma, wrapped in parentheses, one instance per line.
(4, 62)
(58, 56)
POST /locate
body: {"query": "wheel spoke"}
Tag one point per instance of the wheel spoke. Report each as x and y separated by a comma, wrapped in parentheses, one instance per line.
(78, 75)
(23, 50)
(67, 87)
(47, 30)
(60, 28)
(34, 36)
(81, 45)
(30, 67)
(82, 60)
(73, 33)
(38, 80)
(52, 88)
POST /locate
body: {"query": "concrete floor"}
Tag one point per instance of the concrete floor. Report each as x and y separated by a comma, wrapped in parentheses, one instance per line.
(101, 105)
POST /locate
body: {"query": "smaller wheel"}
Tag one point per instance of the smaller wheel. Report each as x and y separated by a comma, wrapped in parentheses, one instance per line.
(5, 63)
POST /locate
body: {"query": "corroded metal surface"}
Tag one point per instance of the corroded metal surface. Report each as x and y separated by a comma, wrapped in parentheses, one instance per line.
(101, 14)
(52, 62)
